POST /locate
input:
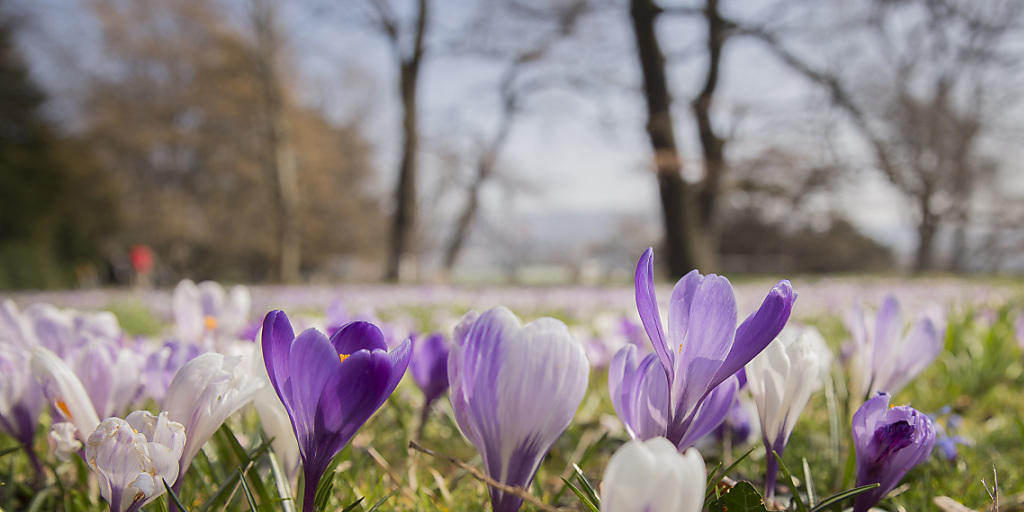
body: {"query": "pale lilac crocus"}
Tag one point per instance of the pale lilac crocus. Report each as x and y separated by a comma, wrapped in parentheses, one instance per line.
(429, 366)
(685, 388)
(207, 314)
(781, 380)
(652, 476)
(889, 442)
(65, 393)
(202, 395)
(21, 399)
(884, 359)
(514, 390)
(133, 456)
(1019, 330)
(330, 387)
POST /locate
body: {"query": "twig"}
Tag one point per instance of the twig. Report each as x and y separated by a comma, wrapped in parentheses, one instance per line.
(383, 463)
(516, 491)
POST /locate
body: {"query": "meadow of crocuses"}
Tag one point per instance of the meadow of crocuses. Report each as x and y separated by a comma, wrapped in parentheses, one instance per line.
(705, 394)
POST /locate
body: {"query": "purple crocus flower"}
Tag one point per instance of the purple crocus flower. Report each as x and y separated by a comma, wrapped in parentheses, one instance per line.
(514, 391)
(429, 366)
(889, 441)
(329, 387)
(686, 387)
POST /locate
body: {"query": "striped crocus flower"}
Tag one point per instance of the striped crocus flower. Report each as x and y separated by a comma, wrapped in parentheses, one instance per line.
(329, 387)
(685, 388)
(514, 390)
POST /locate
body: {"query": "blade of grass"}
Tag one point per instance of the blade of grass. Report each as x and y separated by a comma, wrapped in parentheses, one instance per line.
(591, 507)
(284, 492)
(840, 496)
(792, 483)
(248, 494)
(382, 500)
(174, 498)
(587, 488)
(810, 483)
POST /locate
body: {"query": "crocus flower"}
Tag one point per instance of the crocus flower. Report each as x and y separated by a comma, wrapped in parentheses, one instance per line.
(21, 399)
(883, 358)
(110, 375)
(133, 456)
(1019, 330)
(203, 393)
(274, 418)
(163, 363)
(514, 390)
(889, 442)
(652, 476)
(206, 313)
(685, 388)
(429, 366)
(781, 380)
(329, 387)
(64, 391)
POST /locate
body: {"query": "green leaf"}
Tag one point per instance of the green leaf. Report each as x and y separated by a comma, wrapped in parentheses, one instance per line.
(174, 498)
(811, 498)
(838, 497)
(10, 450)
(326, 485)
(742, 497)
(589, 505)
(792, 483)
(586, 487)
(711, 488)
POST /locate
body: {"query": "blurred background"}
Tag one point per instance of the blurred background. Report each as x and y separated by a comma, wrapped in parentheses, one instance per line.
(522, 141)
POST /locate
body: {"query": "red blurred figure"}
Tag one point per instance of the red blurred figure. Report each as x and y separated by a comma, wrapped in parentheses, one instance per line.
(142, 263)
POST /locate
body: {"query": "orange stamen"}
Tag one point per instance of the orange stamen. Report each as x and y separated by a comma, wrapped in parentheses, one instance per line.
(343, 357)
(210, 322)
(64, 408)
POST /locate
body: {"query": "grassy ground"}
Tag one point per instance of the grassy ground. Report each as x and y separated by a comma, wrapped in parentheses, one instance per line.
(974, 386)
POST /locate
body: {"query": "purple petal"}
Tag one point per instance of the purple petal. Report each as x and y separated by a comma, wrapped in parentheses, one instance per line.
(712, 324)
(888, 332)
(758, 330)
(311, 363)
(356, 336)
(917, 353)
(710, 414)
(277, 341)
(647, 306)
(622, 376)
(680, 304)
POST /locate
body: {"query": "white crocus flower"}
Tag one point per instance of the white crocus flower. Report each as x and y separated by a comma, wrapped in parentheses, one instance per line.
(64, 391)
(203, 393)
(781, 380)
(133, 456)
(652, 476)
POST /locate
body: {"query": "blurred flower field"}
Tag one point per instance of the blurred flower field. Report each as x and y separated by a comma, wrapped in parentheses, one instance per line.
(193, 358)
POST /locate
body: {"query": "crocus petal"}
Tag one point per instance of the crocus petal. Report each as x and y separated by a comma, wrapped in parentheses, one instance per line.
(710, 414)
(652, 476)
(647, 306)
(917, 352)
(64, 391)
(503, 381)
(276, 343)
(357, 336)
(888, 328)
(708, 338)
(758, 330)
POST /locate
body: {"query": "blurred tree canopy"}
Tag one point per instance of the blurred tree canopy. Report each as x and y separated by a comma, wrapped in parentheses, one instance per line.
(47, 180)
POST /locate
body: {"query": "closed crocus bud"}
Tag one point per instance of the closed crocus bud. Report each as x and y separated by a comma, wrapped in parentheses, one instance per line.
(204, 392)
(781, 379)
(889, 442)
(329, 386)
(429, 366)
(652, 476)
(514, 390)
(133, 456)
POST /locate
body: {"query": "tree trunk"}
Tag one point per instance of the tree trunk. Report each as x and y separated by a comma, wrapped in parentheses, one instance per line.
(926, 228)
(403, 225)
(280, 160)
(712, 146)
(685, 246)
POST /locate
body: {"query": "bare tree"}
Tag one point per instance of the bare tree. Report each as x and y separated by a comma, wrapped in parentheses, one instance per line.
(512, 90)
(930, 105)
(409, 56)
(279, 161)
(688, 210)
